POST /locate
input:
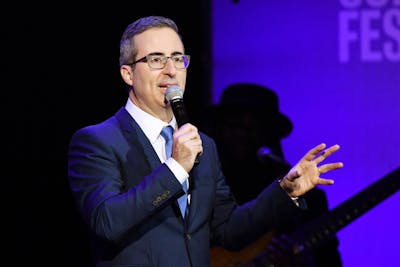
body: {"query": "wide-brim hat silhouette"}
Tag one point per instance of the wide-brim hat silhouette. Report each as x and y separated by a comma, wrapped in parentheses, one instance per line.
(258, 98)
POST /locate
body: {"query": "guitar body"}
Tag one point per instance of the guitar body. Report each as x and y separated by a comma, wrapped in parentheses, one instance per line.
(224, 258)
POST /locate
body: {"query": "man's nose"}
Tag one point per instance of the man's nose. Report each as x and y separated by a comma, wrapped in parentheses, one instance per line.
(169, 66)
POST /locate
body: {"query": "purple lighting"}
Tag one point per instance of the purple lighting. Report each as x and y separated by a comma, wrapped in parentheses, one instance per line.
(335, 66)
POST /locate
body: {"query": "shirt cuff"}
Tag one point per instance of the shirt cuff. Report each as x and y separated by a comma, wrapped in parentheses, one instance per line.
(180, 174)
(296, 201)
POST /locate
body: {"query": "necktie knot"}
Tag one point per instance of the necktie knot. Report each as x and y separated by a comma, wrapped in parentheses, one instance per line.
(166, 133)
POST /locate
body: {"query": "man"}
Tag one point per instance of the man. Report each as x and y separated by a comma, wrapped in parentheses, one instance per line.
(128, 190)
(248, 127)
(250, 113)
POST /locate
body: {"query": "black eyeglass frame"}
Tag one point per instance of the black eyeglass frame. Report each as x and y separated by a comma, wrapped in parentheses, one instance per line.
(146, 59)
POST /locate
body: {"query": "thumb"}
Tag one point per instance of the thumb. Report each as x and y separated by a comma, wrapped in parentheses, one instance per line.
(293, 174)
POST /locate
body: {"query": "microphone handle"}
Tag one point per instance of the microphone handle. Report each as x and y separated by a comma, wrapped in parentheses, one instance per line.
(181, 117)
(180, 112)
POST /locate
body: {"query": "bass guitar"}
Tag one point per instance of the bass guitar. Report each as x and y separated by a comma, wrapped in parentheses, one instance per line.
(316, 232)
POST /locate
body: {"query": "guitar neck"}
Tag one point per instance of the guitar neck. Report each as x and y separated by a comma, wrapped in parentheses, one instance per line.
(319, 230)
(322, 228)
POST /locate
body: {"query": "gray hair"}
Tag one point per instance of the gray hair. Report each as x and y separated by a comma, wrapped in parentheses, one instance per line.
(127, 50)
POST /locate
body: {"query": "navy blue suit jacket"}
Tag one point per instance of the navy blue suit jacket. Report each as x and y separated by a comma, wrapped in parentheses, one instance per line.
(127, 197)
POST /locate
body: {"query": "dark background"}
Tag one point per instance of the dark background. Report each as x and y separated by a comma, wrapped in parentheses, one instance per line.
(60, 72)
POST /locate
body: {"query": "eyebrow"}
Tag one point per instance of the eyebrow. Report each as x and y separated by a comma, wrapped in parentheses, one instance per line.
(162, 54)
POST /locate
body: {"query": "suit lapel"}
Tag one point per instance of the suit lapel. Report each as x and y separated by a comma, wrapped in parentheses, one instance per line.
(136, 137)
(139, 143)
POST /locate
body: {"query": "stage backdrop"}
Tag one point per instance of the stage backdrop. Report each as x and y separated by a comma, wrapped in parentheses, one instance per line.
(336, 68)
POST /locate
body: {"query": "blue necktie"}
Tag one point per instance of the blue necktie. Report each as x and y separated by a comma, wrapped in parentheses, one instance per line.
(167, 134)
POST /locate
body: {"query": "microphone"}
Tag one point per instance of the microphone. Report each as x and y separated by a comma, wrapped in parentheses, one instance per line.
(174, 95)
(265, 155)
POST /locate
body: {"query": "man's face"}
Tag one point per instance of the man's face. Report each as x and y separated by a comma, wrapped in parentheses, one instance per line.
(149, 85)
(240, 134)
(242, 131)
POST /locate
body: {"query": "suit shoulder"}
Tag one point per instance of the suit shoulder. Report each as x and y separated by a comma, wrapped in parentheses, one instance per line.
(109, 124)
(206, 137)
(106, 130)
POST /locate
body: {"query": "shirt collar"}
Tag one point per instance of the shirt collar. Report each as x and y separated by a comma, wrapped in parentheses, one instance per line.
(150, 125)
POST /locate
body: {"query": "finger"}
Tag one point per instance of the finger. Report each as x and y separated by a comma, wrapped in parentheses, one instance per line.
(329, 167)
(323, 181)
(198, 146)
(187, 134)
(326, 153)
(310, 155)
(186, 128)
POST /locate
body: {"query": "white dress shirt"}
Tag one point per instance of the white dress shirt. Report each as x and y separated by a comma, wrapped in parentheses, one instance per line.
(152, 126)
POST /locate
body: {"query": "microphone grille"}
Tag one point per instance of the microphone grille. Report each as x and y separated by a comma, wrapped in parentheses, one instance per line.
(173, 92)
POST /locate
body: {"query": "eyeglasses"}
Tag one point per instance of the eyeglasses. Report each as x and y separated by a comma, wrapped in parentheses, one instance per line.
(158, 62)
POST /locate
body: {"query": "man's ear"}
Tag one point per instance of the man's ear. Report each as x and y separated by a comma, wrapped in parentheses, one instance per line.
(126, 74)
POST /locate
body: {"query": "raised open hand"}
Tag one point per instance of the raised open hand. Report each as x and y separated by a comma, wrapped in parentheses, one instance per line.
(305, 175)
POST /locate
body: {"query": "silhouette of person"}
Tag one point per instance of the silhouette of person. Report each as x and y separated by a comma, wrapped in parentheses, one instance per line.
(248, 129)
